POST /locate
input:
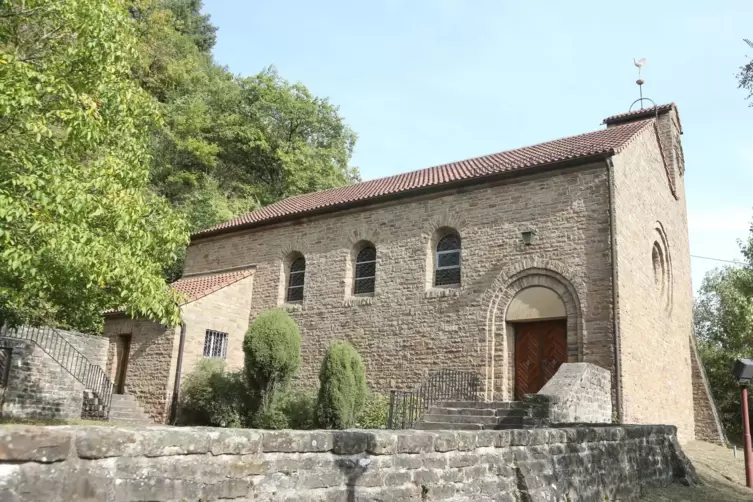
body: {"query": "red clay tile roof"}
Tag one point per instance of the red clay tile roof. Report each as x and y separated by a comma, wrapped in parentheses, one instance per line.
(193, 288)
(641, 114)
(602, 142)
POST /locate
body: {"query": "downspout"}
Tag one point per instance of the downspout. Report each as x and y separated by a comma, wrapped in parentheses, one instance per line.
(179, 365)
(615, 295)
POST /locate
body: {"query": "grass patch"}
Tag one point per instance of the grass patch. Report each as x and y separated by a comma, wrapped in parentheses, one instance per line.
(50, 421)
(722, 475)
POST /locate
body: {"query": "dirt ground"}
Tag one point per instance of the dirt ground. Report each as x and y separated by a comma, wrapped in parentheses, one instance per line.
(722, 475)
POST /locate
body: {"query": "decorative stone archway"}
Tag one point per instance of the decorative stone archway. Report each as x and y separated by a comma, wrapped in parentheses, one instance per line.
(496, 334)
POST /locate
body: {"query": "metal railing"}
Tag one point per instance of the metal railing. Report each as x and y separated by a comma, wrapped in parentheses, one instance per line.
(407, 407)
(74, 362)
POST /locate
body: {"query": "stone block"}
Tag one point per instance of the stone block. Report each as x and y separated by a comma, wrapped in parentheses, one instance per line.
(382, 443)
(297, 441)
(234, 441)
(415, 442)
(34, 444)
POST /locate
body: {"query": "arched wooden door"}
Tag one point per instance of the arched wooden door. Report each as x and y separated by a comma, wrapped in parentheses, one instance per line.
(540, 349)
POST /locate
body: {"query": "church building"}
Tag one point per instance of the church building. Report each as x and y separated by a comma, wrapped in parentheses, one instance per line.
(573, 250)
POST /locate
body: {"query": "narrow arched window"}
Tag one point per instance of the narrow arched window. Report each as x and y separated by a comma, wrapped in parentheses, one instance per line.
(365, 275)
(447, 261)
(295, 280)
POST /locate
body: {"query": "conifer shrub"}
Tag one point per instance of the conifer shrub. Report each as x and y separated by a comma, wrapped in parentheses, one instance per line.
(342, 387)
(272, 355)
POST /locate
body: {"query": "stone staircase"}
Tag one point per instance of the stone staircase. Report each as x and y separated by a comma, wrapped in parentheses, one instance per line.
(125, 409)
(467, 415)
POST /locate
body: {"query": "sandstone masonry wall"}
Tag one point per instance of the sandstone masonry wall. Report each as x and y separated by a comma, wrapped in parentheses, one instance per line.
(38, 387)
(150, 373)
(161, 463)
(226, 311)
(708, 425)
(409, 327)
(92, 347)
(655, 301)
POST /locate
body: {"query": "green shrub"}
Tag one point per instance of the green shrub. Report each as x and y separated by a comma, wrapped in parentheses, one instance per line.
(272, 350)
(212, 396)
(374, 412)
(342, 387)
(299, 407)
(293, 409)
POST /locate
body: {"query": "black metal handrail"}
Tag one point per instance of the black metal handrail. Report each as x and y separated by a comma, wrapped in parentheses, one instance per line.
(69, 358)
(407, 407)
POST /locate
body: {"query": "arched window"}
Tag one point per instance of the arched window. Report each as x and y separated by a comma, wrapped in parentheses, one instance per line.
(447, 261)
(295, 280)
(365, 273)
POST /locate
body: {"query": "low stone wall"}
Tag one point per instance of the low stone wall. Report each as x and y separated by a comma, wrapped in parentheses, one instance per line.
(577, 393)
(38, 387)
(164, 463)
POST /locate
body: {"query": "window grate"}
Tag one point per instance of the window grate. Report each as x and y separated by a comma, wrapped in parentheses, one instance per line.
(296, 279)
(447, 261)
(215, 344)
(365, 276)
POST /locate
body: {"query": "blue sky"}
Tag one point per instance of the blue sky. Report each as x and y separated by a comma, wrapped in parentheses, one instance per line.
(426, 82)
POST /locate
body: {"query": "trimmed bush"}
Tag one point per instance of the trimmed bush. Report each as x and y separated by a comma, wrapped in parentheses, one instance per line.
(293, 409)
(374, 412)
(342, 387)
(272, 350)
(212, 396)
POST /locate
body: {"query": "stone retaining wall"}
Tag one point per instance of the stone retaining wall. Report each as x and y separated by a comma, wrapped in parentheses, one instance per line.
(38, 386)
(164, 463)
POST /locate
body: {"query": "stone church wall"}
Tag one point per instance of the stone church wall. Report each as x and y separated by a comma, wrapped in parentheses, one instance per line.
(408, 327)
(654, 289)
(160, 463)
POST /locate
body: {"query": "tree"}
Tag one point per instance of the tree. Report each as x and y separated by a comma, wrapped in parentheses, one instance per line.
(80, 231)
(723, 317)
(228, 144)
(342, 387)
(745, 77)
(272, 355)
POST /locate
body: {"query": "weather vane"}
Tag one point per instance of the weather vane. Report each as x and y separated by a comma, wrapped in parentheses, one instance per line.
(640, 63)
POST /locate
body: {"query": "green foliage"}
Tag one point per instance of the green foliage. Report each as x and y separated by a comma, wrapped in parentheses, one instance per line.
(230, 144)
(79, 230)
(342, 387)
(723, 316)
(374, 413)
(272, 351)
(299, 407)
(212, 396)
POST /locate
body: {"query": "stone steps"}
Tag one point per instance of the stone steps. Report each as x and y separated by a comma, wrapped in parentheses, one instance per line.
(124, 408)
(460, 415)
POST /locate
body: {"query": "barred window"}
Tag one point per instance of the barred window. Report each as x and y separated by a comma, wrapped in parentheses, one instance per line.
(215, 344)
(365, 275)
(447, 262)
(295, 280)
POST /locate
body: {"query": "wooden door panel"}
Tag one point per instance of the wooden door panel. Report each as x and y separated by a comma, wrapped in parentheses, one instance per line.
(527, 363)
(540, 349)
(554, 353)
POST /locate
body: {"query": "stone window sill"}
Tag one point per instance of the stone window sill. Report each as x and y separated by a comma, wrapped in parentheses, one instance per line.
(292, 307)
(442, 292)
(355, 301)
